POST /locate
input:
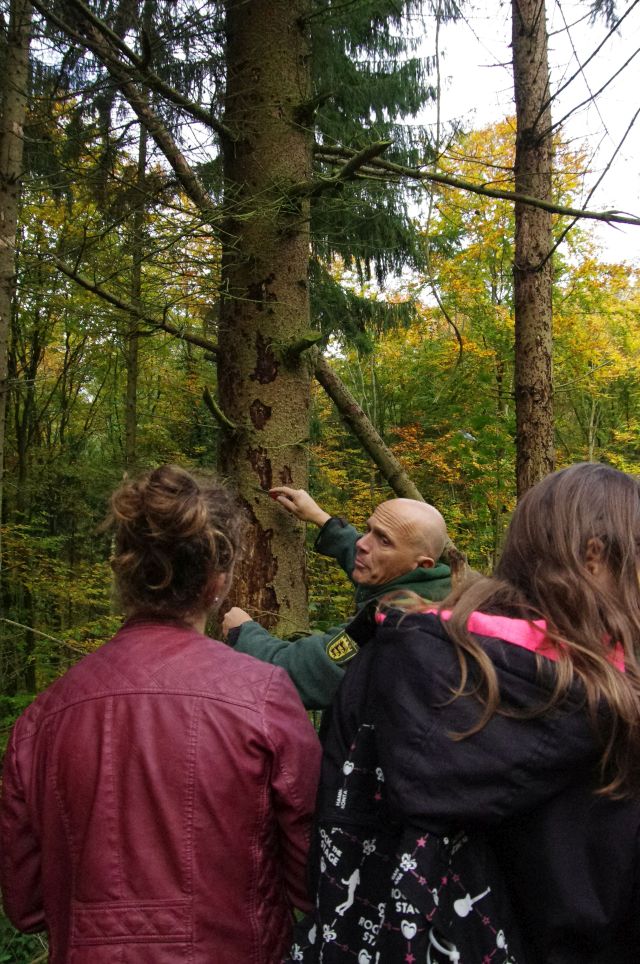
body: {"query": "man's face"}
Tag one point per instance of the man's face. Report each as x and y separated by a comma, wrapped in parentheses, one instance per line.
(387, 549)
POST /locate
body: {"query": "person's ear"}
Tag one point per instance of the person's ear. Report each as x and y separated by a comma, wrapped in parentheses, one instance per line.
(216, 591)
(426, 562)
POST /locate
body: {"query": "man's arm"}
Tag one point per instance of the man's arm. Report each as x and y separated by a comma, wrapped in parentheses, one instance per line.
(315, 663)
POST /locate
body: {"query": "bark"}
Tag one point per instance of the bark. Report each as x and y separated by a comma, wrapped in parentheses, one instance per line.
(14, 107)
(263, 385)
(532, 268)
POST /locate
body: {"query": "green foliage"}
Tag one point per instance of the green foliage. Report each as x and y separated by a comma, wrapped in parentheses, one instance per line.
(16, 948)
(441, 390)
(369, 85)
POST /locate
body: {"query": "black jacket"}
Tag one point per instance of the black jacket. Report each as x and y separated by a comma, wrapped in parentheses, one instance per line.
(490, 848)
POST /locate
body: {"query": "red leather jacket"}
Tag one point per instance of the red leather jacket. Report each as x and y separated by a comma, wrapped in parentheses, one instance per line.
(156, 805)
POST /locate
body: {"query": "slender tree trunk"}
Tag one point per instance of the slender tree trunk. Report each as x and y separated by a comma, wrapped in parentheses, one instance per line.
(532, 266)
(14, 107)
(263, 385)
(133, 339)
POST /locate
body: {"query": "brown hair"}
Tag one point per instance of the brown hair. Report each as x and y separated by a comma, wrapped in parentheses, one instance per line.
(172, 533)
(543, 573)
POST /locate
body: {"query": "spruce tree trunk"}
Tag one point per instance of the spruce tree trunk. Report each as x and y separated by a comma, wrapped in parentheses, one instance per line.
(264, 390)
(14, 107)
(532, 268)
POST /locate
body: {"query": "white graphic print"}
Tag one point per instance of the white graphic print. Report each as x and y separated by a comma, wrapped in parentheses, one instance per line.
(347, 767)
(312, 935)
(328, 933)
(407, 862)
(464, 905)
(364, 957)
(296, 953)
(351, 884)
(408, 929)
(445, 947)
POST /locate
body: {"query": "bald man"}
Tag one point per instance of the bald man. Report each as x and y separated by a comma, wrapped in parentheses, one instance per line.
(400, 550)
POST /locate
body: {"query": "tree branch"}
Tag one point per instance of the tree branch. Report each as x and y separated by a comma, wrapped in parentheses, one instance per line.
(348, 171)
(379, 452)
(335, 155)
(122, 77)
(215, 409)
(138, 66)
(152, 321)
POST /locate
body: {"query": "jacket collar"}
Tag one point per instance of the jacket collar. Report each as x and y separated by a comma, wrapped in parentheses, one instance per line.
(414, 581)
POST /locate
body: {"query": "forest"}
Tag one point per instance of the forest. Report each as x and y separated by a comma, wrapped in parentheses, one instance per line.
(229, 243)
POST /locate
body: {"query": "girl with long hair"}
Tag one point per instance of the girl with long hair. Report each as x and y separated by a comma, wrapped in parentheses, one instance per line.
(479, 797)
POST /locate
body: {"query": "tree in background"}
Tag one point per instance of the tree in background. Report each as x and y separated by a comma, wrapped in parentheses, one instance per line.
(13, 109)
(532, 261)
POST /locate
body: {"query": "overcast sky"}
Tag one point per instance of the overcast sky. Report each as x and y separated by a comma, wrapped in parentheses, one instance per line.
(478, 88)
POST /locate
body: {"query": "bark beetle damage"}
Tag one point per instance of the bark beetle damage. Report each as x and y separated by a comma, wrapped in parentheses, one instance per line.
(259, 291)
(261, 465)
(269, 606)
(256, 573)
(260, 413)
(266, 369)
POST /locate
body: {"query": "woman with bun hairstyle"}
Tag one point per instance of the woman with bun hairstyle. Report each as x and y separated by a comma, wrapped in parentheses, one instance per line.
(480, 792)
(157, 798)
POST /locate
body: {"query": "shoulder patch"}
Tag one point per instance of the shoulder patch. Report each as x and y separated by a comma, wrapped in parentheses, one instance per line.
(341, 648)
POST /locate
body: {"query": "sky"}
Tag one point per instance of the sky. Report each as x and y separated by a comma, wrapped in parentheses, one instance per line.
(478, 89)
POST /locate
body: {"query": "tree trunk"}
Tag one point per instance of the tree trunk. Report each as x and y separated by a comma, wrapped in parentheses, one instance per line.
(14, 107)
(263, 384)
(532, 268)
(133, 337)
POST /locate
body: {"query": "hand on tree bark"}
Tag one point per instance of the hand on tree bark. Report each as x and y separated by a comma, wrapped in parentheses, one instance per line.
(235, 617)
(300, 504)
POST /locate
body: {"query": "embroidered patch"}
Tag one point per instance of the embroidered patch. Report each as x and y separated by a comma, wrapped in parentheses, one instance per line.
(341, 648)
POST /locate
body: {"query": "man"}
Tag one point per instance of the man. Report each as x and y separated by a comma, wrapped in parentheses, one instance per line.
(399, 551)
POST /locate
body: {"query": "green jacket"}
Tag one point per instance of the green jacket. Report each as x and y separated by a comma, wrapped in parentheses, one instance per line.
(316, 663)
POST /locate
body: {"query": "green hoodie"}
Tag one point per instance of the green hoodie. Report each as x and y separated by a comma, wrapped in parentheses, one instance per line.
(316, 663)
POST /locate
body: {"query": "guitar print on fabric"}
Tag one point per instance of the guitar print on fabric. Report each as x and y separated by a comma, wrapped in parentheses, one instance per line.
(387, 896)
